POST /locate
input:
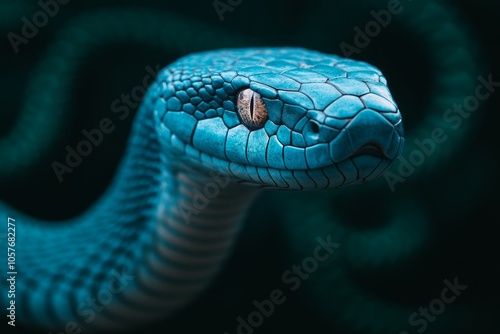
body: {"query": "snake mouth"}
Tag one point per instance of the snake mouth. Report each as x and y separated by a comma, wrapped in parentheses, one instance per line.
(373, 149)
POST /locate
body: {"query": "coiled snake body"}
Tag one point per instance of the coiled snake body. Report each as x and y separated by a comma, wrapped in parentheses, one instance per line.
(213, 129)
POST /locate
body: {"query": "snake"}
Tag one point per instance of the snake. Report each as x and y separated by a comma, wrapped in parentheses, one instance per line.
(214, 130)
(402, 239)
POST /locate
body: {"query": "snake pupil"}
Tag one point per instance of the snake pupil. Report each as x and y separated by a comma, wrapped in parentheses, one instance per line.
(251, 104)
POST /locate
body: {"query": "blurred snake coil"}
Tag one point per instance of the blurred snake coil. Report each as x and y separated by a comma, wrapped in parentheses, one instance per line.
(192, 130)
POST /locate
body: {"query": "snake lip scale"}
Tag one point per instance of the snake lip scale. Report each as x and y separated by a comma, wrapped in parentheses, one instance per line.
(314, 121)
(371, 149)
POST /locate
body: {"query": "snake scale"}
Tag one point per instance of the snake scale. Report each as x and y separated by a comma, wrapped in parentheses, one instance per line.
(225, 124)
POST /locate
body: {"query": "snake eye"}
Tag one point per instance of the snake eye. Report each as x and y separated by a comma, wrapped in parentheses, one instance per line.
(251, 109)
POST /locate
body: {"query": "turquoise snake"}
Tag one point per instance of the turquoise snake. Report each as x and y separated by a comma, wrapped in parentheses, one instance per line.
(326, 122)
(295, 226)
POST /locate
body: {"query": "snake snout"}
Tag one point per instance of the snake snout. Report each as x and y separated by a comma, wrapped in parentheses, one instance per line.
(369, 133)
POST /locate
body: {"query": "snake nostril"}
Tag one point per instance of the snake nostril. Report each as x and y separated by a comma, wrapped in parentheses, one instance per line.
(312, 132)
(314, 127)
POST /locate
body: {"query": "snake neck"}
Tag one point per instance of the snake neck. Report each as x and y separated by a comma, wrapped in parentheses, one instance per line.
(208, 199)
(191, 231)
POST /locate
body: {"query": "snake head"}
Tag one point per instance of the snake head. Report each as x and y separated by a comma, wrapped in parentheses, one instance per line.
(279, 117)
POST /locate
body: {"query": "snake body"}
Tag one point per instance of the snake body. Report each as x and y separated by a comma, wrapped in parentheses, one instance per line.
(164, 227)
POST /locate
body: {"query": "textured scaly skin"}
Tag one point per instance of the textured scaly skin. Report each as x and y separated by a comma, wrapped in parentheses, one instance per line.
(151, 243)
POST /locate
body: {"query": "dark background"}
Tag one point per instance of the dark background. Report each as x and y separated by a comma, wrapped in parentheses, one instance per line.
(456, 191)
